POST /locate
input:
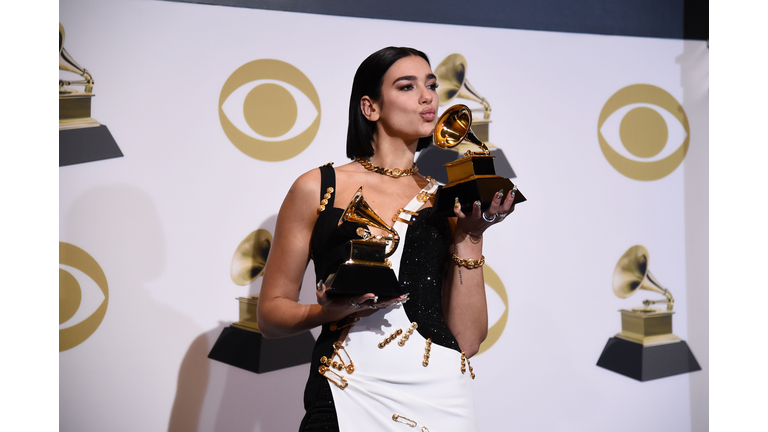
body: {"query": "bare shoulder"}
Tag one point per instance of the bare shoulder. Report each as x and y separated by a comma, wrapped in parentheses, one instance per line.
(303, 197)
(307, 185)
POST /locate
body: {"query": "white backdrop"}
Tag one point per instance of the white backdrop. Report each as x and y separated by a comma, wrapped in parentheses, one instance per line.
(163, 222)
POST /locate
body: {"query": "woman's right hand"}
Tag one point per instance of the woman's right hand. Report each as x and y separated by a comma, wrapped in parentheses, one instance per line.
(338, 307)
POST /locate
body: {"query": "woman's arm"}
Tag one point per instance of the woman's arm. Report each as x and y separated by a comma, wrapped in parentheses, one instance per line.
(464, 303)
(279, 311)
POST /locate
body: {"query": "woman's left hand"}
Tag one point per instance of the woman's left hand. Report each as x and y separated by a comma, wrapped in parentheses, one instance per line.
(478, 221)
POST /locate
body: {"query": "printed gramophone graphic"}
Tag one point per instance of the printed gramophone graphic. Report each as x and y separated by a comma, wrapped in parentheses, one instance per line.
(74, 105)
(367, 268)
(81, 137)
(241, 344)
(452, 77)
(646, 348)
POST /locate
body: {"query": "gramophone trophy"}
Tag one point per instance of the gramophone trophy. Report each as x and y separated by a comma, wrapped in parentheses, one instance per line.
(74, 105)
(241, 344)
(81, 138)
(367, 269)
(644, 325)
(452, 76)
(646, 348)
(472, 177)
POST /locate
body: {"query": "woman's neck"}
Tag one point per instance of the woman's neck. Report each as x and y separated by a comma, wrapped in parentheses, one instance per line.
(390, 153)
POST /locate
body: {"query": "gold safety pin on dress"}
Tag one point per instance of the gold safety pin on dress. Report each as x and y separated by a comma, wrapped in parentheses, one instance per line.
(404, 338)
(402, 419)
(408, 221)
(329, 366)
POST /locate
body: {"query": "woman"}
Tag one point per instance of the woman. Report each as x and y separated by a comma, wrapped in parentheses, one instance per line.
(379, 363)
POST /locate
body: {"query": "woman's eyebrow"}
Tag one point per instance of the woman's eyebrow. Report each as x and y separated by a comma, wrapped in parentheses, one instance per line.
(413, 78)
(405, 78)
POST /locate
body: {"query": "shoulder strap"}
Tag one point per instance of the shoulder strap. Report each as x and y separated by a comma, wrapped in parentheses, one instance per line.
(327, 180)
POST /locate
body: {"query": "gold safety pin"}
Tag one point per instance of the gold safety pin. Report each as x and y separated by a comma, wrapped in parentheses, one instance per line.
(340, 382)
(402, 419)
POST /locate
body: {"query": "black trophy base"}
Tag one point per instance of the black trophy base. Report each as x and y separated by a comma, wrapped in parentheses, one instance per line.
(647, 363)
(482, 189)
(253, 352)
(359, 279)
(90, 144)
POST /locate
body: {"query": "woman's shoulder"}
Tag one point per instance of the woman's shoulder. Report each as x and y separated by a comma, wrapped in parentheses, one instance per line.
(308, 184)
(305, 189)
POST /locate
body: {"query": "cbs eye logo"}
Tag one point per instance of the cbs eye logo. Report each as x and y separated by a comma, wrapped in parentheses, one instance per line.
(83, 296)
(494, 333)
(269, 110)
(643, 132)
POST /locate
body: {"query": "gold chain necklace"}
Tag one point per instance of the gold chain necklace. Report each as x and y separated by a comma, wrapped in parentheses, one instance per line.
(395, 172)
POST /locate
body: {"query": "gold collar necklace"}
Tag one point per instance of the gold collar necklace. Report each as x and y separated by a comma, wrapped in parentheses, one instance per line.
(395, 172)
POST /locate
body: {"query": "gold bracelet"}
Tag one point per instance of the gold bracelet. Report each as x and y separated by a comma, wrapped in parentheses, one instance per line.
(469, 263)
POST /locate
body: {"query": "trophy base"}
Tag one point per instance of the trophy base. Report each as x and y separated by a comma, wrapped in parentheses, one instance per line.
(645, 363)
(482, 188)
(359, 279)
(249, 350)
(82, 145)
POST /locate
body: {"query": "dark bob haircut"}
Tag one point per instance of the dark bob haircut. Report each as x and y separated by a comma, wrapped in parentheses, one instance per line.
(367, 82)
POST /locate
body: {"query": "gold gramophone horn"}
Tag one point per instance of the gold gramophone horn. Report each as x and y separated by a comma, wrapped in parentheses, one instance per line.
(454, 127)
(67, 63)
(632, 274)
(250, 257)
(452, 76)
(358, 211)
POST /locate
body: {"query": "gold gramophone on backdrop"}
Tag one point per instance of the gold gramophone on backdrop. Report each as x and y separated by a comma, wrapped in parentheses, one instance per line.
(451, 74)
(74, 105)
(645, 325)
(473, 177)
(645, 348)
(367, 268)
(81, 138)
(241, 344)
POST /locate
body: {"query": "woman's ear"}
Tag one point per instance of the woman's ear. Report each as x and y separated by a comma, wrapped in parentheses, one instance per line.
(369, 108)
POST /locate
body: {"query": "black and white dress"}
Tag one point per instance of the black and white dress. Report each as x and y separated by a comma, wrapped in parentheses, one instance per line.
(419, 379)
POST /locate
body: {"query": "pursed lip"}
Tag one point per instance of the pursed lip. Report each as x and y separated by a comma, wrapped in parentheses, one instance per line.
(429, 114)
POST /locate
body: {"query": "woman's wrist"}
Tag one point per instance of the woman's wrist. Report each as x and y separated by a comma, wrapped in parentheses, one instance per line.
(463, 237)
(467, 246)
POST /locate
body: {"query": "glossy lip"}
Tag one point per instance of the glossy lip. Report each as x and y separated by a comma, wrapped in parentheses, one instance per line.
(429, 114)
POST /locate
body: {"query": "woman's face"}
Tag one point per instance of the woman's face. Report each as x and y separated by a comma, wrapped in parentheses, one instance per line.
(408, 104)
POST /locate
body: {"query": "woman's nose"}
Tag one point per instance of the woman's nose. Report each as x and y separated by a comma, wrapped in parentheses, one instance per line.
(426, 96)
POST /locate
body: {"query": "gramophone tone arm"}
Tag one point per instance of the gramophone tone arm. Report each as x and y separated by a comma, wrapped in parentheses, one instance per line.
(487, 106)
(392, 242)
(87, 83)
(669, 300)
(485, 151)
